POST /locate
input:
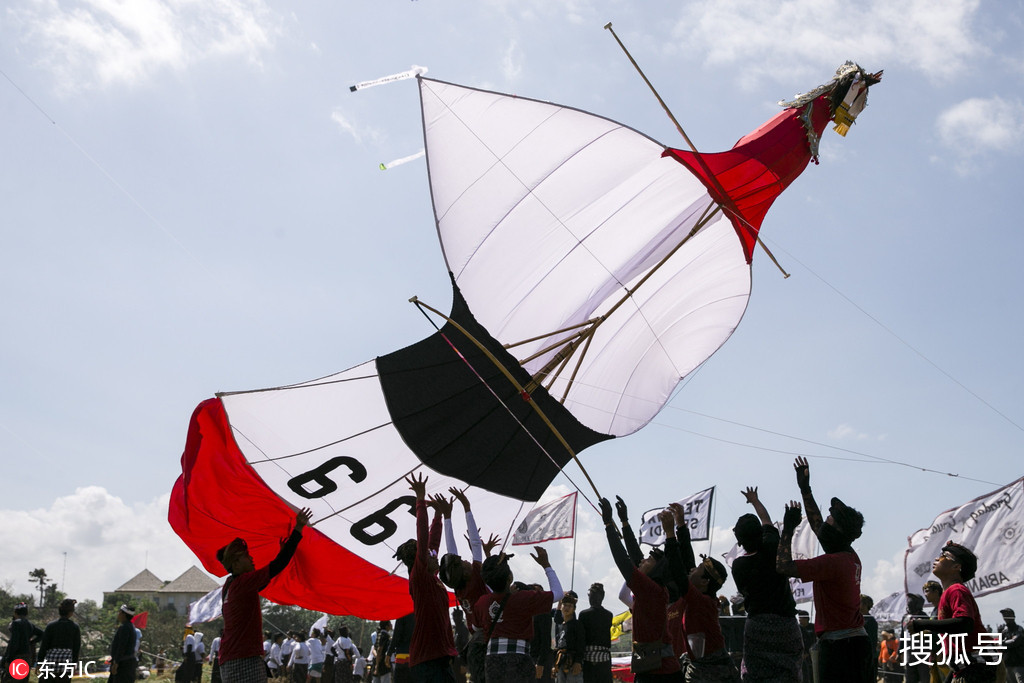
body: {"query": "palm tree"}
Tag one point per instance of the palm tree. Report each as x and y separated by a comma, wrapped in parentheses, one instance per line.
(39, 576)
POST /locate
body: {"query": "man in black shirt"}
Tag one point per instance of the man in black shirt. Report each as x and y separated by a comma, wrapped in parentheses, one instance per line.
(62, 641)
(401, 639)
(22, 643)
(1013, 639)
(597, 632)
(122, 648)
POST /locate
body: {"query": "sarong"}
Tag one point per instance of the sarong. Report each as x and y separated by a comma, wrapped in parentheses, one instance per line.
(772, 649)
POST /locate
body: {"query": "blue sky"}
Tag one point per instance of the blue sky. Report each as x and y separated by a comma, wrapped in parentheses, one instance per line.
(191, 203)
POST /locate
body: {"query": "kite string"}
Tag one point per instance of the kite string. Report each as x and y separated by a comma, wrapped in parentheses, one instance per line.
(153, 219)
(420, 305)
(872, 459)
(906, 343)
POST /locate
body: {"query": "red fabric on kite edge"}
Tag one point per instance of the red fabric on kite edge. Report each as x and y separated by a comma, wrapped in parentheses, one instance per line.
(219, 497)
(747, 179)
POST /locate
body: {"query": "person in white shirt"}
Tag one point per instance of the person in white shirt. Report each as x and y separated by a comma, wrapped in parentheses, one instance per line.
(200, 653)
(344, 656)
(358, 666)
(316, 655)
(274, 662)
(298, 663)
(286, 649)
(214, 663)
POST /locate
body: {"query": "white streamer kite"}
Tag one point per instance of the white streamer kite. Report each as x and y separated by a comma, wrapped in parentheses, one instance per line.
(411, 73)
(403, 160)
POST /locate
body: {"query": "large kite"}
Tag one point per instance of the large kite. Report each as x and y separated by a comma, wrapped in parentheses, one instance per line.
(592, 270)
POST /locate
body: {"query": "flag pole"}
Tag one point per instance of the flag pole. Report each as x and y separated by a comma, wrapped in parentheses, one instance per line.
(572, 573)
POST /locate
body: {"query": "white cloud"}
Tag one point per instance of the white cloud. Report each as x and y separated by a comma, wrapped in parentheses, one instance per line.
(512, 62)
(845, 431)
(795, 38)
(358, 133)
(887, 577)
(97, 43)
(983, 125)
(103, 542)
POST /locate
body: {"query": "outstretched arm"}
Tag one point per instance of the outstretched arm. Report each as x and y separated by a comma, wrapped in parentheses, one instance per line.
(619, 554)
(803, 480)
(473, 533)
(675, 560)
(636, 555)
(683, 538)
(554, 585)
(784, 563)
(284, 555)
(762, 513)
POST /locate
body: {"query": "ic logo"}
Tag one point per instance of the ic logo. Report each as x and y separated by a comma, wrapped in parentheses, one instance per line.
(19, 669)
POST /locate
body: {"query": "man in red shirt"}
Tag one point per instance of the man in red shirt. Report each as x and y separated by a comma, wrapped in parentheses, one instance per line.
(845, 653)
(958, 613)
(506, 615)
(241, 647)
(432, 646)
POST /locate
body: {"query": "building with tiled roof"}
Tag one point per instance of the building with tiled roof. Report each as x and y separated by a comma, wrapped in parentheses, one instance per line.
(193, 584)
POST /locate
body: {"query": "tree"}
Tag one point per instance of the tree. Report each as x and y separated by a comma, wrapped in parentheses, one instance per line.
(8, 600)
(53, 596)
(39, 576)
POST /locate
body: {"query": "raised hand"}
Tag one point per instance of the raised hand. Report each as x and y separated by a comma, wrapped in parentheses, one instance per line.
(302, 518)
(606, 511)
(750, 494)
(460, 495)
(490, 544)
(418, 486)
(803, 473)
(791, 518)
(620, 508)
(667, 520)
(678, 513)
(541, 556)
(441, 504)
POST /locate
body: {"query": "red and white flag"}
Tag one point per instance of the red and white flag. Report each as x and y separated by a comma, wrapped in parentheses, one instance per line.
(548, 522)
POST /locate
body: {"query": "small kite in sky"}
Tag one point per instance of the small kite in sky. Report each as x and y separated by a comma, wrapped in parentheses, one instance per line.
(592, 269)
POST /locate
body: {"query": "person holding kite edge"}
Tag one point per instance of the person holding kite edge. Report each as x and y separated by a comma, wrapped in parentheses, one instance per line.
(845, 652)
(241, 648)
(433, 646)
(708, 659)
(507, 615)
(653, 656)
(772, 643)
(467, 581)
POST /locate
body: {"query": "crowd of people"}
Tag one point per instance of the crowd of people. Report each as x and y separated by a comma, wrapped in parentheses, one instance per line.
(506, 631)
